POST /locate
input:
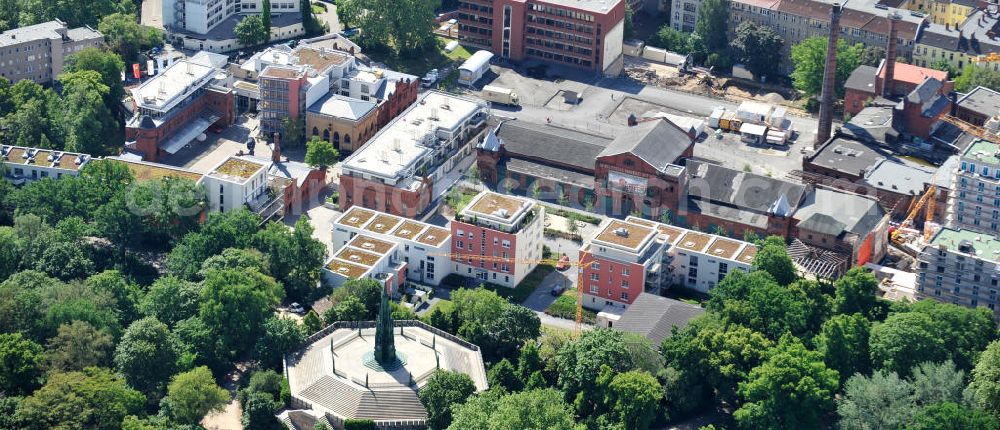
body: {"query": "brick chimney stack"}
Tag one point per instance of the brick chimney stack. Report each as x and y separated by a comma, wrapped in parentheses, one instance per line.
(828, 95)
(276, 151)
(890, 55)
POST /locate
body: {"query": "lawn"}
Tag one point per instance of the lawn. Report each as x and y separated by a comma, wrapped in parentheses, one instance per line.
(517, 294)
(565, 307)
(418, 65)
(459, 198)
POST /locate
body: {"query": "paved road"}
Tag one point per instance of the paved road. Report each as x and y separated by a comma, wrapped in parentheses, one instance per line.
(330, 17)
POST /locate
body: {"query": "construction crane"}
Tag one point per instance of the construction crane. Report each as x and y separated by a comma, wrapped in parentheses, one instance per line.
(927, 199)
(972, 129)
(550, 261)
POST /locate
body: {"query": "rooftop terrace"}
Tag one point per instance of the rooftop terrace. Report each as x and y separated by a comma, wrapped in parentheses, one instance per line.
(694, 241)
(369, 243)
(986, 246)
(433, 236)
(237, 169)
(983, 150)
(356, 217)
(624, 234)
(383, 223)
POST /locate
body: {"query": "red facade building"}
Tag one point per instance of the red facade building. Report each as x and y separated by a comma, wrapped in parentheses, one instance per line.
(580, 33)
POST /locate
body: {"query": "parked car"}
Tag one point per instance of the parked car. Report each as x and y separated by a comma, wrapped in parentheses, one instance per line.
(349, 32)
(563, 263)
(557, 290)
(430, 78)
(296, 308)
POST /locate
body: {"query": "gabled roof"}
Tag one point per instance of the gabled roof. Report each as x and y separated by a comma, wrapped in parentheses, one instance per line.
(925, 92)
(742, 190)
(659, 143)
(654, 316)
(862, 79)
(835, 212)
(547, 143)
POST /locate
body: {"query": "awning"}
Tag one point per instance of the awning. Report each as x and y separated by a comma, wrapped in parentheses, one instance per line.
(190, 131)
(754, 129)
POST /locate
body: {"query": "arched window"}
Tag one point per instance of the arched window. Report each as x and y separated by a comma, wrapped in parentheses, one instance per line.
(315, 131)
(347, 140)
(326, 135)
(336, 138)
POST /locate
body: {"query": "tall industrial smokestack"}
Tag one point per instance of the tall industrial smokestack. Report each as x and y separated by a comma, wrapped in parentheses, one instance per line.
(276, 152)
(890, 55)
(828, 95)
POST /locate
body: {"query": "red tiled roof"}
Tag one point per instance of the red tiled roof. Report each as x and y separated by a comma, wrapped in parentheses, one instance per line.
(913, 74)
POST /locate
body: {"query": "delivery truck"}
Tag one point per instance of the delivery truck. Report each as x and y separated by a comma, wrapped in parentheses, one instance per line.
(500, 95)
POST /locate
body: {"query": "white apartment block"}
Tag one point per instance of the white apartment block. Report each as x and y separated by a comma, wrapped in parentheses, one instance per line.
(960, 267)
(699, 261)
(423, 248)
(20, 164)
(201, 16)
(974, 204)
(38, 52)
(237, 182)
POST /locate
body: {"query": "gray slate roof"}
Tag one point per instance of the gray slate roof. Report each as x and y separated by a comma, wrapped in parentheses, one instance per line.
(836, 212)
(653, 316)
(339, 106)
(543, 142)
(848, 156)
(862, 79)
(346, 401)
(872, 124)
(743, 190)
(659, 143)
(982, 100)
(899, 178)
(925, 92)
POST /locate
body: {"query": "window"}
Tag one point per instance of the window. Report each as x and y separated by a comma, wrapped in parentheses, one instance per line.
(624, 296)
(624, 284)
(595, 265)
(595, 277)
(460, 245)
(625, 271)
(461, 233)
(594, 289)
(505, 244)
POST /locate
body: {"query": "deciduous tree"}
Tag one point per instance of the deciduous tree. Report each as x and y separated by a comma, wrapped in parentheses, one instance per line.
(251, 31)
(279, 336)
(444, 391)
(905, 340)
(985, 383)
(880, 401)
(809, 60)
(193, 394)
(147, 356)
(78, 345)
(20, 364)
(527, 410)
(92, 399)
(843, 341)
(758, 48)
(236, 303)
(320, 154)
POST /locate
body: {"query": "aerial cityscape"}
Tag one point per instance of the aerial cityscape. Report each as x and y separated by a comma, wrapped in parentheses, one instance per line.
(499, 214)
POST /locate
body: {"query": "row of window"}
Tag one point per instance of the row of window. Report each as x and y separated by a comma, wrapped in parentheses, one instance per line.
(596, 290)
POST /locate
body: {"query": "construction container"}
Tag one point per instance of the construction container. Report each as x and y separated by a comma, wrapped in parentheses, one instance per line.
(753, 112)
(713, 119)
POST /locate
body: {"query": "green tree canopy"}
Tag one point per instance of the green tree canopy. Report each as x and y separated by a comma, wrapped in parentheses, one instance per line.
(843, 341)
(279, 336)
(108, 64)
(527, 410)
(89, 124)
(78, 345)
(904, 340)
(502, 374)
(672, 40)
(985, 385)
(171, 299)
(756, 301)
(445, 391)
(404, 26)
(320, 154)
(965, 331)
(856, 291)
(579, 363)
(92, 399)
(952, 416)
(193, 394)
(758, 48)
(710, 29)
(251, 31)
(792, 389)
(772, 257)
(20, 364)
(235, 304)
(976, 76)
(148, 356)
(633, 398)
(880, 401)
(809, 60)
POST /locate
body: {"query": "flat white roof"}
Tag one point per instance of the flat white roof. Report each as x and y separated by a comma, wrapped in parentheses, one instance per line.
(754, 129)
(169, 87)
(477, 60)
(396, 150)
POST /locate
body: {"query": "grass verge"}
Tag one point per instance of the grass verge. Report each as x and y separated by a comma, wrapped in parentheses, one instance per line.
(565, 307)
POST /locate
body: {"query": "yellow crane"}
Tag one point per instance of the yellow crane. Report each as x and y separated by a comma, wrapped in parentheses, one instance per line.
(550, 261)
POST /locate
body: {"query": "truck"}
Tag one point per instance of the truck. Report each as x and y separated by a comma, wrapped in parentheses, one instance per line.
(500, 95)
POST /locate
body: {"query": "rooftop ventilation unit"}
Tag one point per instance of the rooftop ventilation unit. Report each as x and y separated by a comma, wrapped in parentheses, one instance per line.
(621, 231)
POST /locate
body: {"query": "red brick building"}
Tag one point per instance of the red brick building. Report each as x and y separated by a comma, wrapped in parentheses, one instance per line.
(866, 83)
(639, 170)
(175, 107)
(580, 33)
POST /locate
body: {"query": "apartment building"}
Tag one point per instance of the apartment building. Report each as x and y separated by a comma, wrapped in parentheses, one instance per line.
(242, 181)
(424, 248)
(618, 262)
(863, 21)
(38, 52)
(943, 12)
(339, 99)
(684, 14)
(396, 169)
(209, 24)
(366, 257)
(497, 238)
(20, 164)
(959, 266)
(177, 105)
(975, 202)
(971, 41)
(581, 33)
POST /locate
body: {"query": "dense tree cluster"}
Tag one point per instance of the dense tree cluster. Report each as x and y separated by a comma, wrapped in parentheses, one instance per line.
(121, 303)
(401, 27)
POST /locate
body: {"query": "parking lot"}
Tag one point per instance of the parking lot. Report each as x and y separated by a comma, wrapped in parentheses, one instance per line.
(203, 156)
